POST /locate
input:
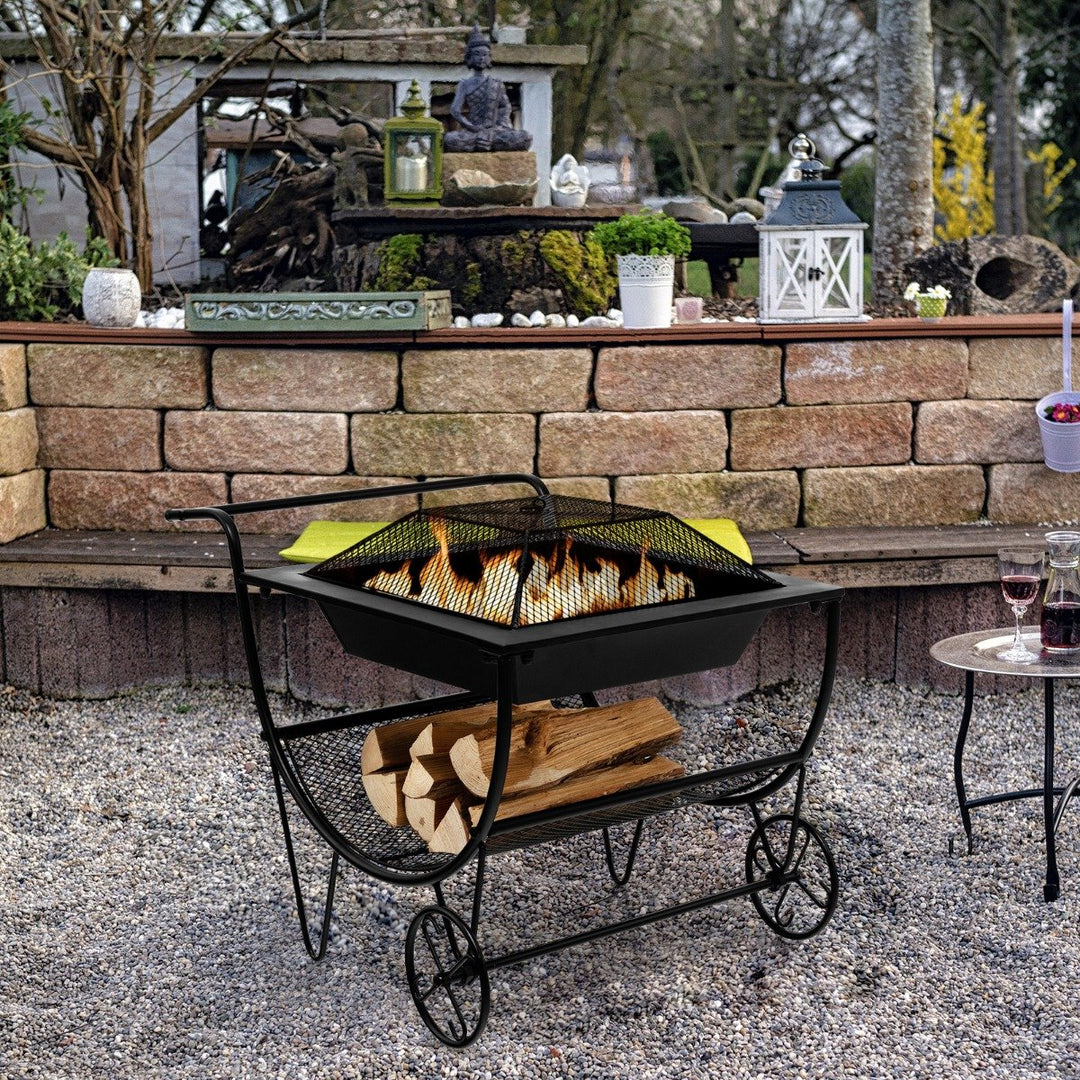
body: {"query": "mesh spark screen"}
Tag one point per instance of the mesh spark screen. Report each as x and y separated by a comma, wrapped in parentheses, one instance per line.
(519, 562)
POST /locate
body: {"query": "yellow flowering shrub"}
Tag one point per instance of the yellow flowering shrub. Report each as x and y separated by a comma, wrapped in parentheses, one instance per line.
(1048, 156)
(963, 186)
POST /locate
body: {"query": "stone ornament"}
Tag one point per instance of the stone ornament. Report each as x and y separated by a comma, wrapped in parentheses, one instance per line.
(111, 297)
(569, 182)
(481, 107)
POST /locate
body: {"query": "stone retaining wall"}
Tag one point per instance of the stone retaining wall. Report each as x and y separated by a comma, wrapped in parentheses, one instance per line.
(915, 430)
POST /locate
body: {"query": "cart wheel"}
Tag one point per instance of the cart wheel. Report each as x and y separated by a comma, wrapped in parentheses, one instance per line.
(799, 900)
(447, 977)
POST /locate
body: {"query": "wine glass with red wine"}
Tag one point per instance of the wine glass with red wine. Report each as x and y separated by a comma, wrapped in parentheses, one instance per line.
(1020, 571)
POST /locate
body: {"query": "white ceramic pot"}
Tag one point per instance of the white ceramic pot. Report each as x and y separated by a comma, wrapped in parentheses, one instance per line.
(646, 288)
(111, 297)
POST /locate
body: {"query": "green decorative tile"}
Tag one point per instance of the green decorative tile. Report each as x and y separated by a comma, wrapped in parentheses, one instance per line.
(306, 312)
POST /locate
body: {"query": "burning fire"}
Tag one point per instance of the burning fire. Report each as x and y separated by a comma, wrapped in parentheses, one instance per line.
(563, 579)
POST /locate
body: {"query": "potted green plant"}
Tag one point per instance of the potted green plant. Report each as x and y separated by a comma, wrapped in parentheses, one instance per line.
(645, 245)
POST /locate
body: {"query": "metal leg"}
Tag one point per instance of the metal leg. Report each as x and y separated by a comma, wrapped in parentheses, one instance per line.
(624, 877)
(1052, 888)
(958, 755)
(301, 912)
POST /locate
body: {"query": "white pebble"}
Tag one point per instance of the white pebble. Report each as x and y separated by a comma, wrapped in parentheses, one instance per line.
(517, 319)
(572, 320)
(461, 322)
(598, 320)
(488, 319)
(555, 319)
(537, 318)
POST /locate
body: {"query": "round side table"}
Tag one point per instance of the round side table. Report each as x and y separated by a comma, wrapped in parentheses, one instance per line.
(977, 652)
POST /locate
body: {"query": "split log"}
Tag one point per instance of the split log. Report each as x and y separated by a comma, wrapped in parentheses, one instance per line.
(431, 777)
(452, 833)
(584, 786)
(445, 730)
(549, 745)
(388, 746)
(384, 792)
(425, 814)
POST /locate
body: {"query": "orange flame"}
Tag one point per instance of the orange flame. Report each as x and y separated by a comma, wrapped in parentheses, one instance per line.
(559, 583)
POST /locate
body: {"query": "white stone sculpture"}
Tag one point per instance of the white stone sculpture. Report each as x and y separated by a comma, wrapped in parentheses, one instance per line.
(569, 182)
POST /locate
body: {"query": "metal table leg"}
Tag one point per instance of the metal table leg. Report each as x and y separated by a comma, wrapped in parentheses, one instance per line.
(958, 755)
(1052, 888)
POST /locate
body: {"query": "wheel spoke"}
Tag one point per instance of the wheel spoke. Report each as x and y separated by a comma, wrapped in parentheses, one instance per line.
(797, 894)
(447, 976)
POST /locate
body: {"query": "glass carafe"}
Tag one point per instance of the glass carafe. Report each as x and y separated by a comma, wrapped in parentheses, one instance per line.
(1060, 629)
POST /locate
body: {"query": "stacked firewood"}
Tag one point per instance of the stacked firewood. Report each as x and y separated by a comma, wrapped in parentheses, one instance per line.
(432, 773)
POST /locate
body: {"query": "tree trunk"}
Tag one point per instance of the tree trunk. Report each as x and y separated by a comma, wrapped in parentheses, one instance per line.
(903, 194)
(1010, 210)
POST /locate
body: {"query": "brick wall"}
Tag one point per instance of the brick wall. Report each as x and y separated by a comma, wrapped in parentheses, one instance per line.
(916, 430)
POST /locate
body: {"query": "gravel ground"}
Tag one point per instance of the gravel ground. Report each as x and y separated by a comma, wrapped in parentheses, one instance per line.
(148, 928)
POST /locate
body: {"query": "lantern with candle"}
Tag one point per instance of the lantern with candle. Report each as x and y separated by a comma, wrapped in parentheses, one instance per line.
(412, 154)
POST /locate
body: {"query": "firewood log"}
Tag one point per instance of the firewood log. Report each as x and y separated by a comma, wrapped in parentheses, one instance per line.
(384, 792)
(584, 786)
(445, 730)
(431, 777)
(452, 833)
(424, 814)
(549, 745)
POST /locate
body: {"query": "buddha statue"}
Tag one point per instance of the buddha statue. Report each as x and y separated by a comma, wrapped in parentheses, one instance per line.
(481, 107)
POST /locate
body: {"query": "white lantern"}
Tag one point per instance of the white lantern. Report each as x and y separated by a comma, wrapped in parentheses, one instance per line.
(811, 254)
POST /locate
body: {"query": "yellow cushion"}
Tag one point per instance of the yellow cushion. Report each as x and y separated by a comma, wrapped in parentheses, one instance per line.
(724, 532)
(324, 539)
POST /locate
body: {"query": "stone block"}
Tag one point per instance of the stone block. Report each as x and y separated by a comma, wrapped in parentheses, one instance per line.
(125, 439)
(255, 442)
(496, 380)
(954, 432)
(118, 376)
(665, 377)
(503, 166)
(83, 499)
(443, 444)
(898, 369)
(12, 376)
(820, 435)
(620, 443)
(1014, 368)
(757, 501)
(246, 487)
(1025, 494)
(22, 504)
(901, 495)
(582, 487)
(304, 380)
(18, 441)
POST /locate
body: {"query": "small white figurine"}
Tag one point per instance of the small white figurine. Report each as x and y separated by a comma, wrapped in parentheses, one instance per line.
(569, 182)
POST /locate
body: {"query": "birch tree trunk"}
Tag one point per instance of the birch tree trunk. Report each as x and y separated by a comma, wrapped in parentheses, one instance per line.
(1010, 209)
(903, 192)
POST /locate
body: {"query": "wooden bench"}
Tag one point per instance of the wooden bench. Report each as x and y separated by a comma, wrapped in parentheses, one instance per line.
(855, 558)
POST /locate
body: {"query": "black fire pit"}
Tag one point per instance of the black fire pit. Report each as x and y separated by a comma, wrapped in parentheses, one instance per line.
(467, 595)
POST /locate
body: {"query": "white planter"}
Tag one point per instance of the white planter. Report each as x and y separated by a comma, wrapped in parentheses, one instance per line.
(111, 297)
(646, 288)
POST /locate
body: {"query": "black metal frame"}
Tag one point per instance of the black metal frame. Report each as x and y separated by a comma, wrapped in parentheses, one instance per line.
(576, 657)
(1052, 813)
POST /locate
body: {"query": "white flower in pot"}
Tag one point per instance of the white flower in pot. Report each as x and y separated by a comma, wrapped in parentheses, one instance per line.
(930, 304)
